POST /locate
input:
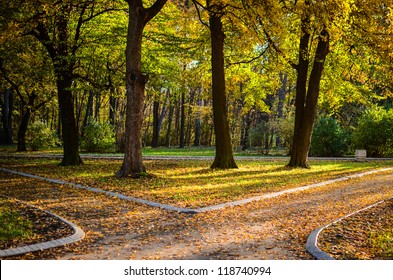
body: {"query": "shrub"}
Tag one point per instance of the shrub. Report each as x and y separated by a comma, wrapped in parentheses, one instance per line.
(329, 139)
(40, 136)
(374, 132)
(287, 131)
(98, 137)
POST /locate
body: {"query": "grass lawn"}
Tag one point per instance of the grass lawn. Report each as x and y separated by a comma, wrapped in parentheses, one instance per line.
(149, 151)
(13, 225)
(191, 183)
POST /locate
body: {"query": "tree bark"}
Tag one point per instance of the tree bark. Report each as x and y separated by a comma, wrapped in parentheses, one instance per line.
(281, 92)
(70, 131)
(182, 121)
(62, 53)
(22, 130)
(169, 128)
(156, 131)
(6, 117)
(307, 97)
(135, 84)
(198, 125)
(224, 154)
(26, 113)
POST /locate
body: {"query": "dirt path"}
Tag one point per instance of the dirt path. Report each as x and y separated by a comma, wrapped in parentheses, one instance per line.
(269, 229)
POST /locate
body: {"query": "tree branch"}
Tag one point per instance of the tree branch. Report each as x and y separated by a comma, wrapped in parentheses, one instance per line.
(154, 9)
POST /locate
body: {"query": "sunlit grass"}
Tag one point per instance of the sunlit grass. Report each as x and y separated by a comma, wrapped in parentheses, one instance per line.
(12, 224)
(382, 244)
(191, 183)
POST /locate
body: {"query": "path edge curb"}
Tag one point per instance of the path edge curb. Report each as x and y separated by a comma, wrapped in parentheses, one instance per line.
(312, 240)
(78, 235)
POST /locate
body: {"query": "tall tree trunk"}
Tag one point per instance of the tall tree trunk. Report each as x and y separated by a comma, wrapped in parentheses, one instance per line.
(307, 97)
(169, 128)
(69, 127)
(97, 106)
(6, 117)
(23, 129)
(89, 109)
(189, 113)
(198, 125)
(246, 125)
(182, 121)
(26, 113)
(112, 108)
(281, 92)
(135, 83)
(156, 107)
(224, 154)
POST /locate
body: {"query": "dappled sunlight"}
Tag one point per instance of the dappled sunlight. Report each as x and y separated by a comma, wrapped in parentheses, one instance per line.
(190, 183)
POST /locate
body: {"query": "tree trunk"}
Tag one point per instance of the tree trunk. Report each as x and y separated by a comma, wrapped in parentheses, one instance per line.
(281, 92)
(112, 108)
(135, 83)
(224, 154)
(168, 131)
(6, 117)
(245, 135)
(26, 113)
(97, 105)
(307, 98)
(182, 121)
(23, 129)
(156, 106)
(69, 128)
(198, 125)
(89, 109)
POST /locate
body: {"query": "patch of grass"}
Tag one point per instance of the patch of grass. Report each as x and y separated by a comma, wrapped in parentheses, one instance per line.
(382, 244)
(12, 224)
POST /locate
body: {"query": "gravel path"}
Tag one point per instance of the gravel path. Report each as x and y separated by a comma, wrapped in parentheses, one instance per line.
(275, 228)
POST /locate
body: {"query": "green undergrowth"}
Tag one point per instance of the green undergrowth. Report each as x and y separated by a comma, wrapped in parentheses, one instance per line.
(191, 183)
(382, 244)
(13, 225)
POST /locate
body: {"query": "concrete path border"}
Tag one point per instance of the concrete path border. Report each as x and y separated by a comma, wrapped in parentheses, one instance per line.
(78, 235)
(312, 240)
(158, 157)
(198, 210)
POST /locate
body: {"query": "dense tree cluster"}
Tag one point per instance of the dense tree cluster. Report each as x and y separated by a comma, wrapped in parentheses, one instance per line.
(234, 74)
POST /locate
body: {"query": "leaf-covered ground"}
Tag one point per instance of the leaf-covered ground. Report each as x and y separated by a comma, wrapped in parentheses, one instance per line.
(268, 229)
(191, 183)
(363, 236)
(42, 226)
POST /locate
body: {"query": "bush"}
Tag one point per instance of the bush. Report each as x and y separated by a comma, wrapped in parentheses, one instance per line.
(40, 136)
(374, 132)
(98, 137)
(287, 131)
(329, 139)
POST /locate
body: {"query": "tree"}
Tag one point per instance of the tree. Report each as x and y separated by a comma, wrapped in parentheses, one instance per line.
(224, 154)
(316, 23)
(23, 65)
(139, 16)
(307, 90)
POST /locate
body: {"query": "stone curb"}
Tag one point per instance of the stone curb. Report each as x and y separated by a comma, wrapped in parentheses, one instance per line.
(120, 157)
(108, 193)
(198, 210)
(78, 235)
(312, 240)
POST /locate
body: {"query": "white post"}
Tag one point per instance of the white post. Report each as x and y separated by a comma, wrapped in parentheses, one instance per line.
(360, 155)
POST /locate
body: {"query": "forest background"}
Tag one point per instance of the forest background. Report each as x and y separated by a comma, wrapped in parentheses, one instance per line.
(63, 74)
